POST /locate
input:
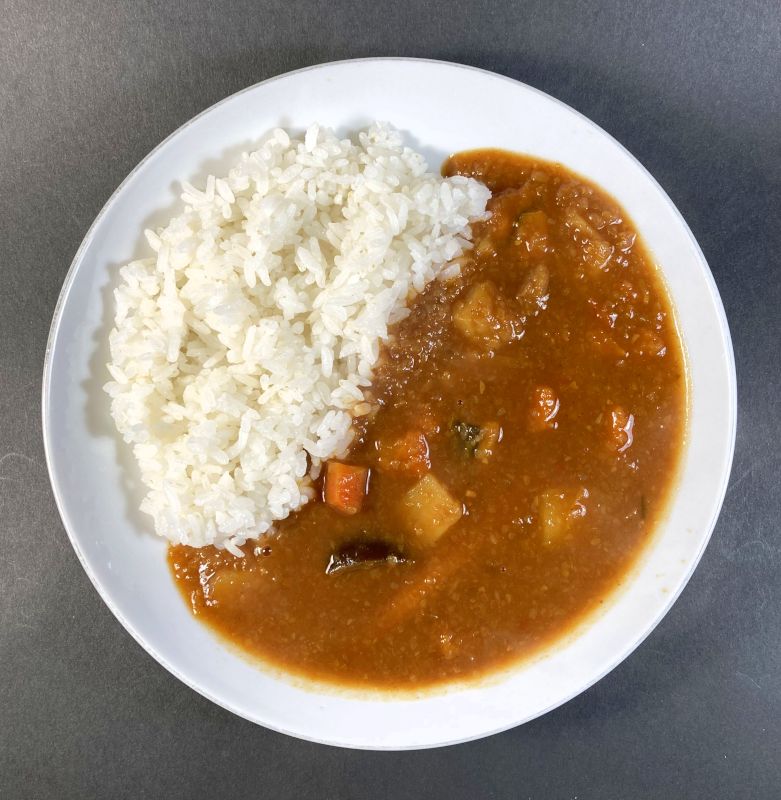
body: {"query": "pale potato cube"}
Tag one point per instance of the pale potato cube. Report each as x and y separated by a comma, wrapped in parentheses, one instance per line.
(534, 292)
(578, 223)
(597, 254)
(483, 317)
(532, 232)
(559, 509)
(429, 509)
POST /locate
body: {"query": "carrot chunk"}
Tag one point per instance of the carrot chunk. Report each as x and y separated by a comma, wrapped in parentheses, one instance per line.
(409, 454)
(346, 485)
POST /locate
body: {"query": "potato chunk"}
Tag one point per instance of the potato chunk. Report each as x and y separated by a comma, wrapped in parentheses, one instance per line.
(484, 318)
(577, 222)
(597, 254)
(543, 409)
(558, 510)
(532, 232)
(534, 292)
(430, 510)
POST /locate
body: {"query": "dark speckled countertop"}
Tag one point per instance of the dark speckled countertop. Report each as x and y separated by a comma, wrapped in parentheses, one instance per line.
(692, 89)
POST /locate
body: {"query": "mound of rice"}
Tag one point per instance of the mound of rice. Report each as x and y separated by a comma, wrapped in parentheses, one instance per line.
(243, 346)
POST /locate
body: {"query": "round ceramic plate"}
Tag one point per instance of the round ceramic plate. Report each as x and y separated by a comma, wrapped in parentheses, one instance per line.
(440, 108)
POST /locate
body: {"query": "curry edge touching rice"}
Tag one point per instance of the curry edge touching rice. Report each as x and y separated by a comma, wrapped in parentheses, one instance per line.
(242, 348)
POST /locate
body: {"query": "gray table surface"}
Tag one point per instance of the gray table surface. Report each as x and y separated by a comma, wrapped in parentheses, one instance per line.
(692, 89)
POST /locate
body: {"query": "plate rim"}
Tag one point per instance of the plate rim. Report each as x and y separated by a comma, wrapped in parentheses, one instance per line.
(732, 404)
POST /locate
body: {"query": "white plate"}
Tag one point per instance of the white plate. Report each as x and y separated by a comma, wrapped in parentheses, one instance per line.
(441, 108)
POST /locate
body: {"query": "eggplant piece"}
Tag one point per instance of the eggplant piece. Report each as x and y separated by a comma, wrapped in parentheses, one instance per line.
(363, 553)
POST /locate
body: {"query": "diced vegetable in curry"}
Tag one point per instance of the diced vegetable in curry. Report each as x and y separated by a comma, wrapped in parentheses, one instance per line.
(526, 423)
(429, 510)
(468, 436)
(363, 552)
(345, 486)
(557, 511)
(408, 454)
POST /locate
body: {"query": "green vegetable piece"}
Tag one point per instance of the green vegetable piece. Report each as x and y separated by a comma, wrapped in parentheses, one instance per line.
(468, 436)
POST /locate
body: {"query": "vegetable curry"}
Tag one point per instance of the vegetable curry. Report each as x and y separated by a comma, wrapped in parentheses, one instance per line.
(526, 422)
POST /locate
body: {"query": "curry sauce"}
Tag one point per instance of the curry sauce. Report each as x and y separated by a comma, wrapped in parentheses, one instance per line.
(526, 421)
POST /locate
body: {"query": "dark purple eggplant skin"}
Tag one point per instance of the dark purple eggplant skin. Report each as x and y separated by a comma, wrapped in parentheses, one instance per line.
(363, 553)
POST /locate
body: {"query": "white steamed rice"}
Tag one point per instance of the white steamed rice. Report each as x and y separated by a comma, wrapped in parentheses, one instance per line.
(243, 345)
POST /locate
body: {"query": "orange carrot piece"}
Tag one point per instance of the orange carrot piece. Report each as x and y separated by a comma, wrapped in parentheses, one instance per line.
(409, 454)
(345, 486)
(429, 578)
